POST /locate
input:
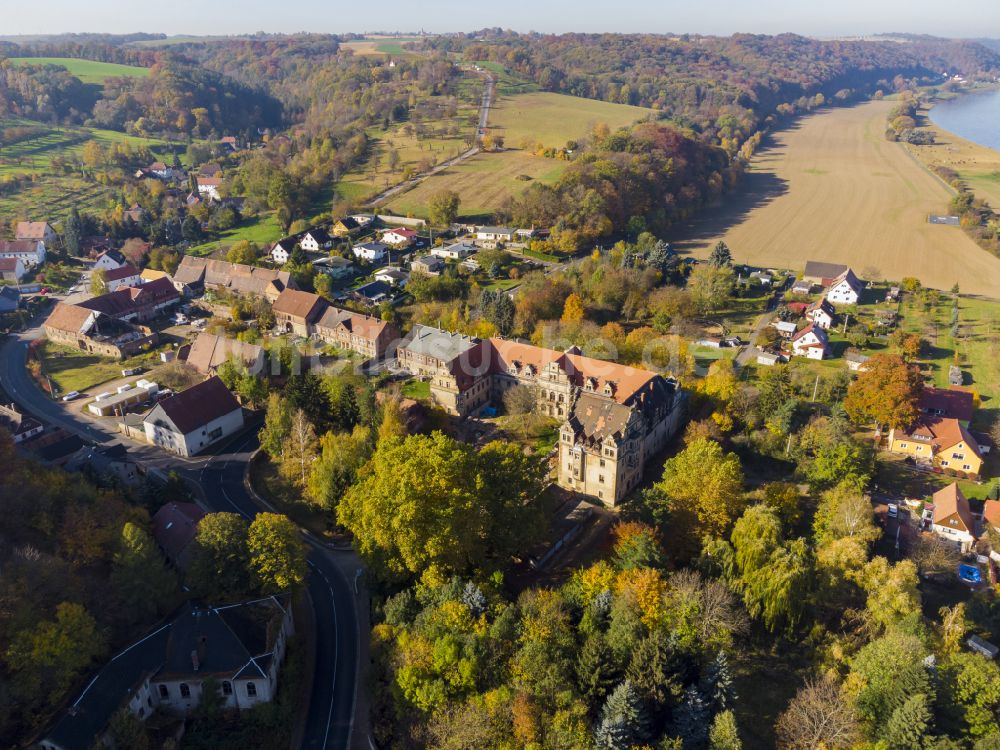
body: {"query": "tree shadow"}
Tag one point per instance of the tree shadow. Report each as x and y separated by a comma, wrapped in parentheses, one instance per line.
(756, 190)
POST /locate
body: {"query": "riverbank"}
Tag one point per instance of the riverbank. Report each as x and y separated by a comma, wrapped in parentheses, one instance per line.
(977, 165)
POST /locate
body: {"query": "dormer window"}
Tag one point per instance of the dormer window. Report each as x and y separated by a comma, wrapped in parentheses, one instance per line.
(609, 389)
(590, 384)
(514, 368)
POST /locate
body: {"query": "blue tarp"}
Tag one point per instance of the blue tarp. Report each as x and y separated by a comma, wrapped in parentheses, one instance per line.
(970, 573)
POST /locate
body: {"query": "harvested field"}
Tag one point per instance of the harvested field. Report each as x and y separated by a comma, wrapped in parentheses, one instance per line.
(553, 119)
(832, 188)
(88, 71)
(482, 182)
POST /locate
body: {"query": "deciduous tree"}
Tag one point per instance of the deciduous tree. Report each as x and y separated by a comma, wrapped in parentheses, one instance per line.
(277, 552)
(886, 392)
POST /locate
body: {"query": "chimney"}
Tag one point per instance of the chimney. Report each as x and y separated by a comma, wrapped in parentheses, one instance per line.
(195, 661)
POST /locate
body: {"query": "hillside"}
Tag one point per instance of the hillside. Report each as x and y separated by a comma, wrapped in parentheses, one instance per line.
(88, 71)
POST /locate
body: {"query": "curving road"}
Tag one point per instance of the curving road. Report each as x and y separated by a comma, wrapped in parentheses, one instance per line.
(330, 722)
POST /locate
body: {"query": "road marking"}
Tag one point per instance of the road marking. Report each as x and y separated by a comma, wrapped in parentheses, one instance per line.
(336, 656)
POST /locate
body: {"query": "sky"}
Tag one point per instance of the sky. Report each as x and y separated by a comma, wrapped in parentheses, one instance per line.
(821, 18)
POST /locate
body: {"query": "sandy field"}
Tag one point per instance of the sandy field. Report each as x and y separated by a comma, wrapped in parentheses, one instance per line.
(833, 189)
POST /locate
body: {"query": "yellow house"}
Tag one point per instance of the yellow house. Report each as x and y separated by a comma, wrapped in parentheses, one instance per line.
(939, 441)
(345, 227)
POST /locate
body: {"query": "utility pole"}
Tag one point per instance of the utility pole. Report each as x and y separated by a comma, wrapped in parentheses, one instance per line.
(847, 317)
(815, 389)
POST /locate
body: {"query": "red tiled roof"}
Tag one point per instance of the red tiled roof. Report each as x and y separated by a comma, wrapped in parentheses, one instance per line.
(950, 501)
(122, 272)
(198, 405)
(948, 402)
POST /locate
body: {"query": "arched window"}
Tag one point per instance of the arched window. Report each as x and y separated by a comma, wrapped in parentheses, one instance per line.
(227, 688)
(185, 690)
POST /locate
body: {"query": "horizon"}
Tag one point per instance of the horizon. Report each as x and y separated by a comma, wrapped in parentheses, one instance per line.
(966, 19)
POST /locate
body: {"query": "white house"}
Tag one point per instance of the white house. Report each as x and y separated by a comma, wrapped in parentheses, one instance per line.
(109, 260)
(456, 251)
(373, 252)
(315, 240)
(393, 276)
(31, 252)
(845, 290)
(12, 269)
(811, 342)
(161, 170)
(282, 250)
(821, 313)
(121, 278)
(495, 234)
(768, 359)
(785, 327)
(399, 237)
(209, 187)
(190, 421)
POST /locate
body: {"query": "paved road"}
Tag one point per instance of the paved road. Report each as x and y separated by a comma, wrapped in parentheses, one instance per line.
(484, 113)
(220, 477)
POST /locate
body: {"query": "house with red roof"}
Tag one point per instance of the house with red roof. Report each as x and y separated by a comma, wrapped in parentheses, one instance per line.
(811, 342)
(951, 518)
(399, 237)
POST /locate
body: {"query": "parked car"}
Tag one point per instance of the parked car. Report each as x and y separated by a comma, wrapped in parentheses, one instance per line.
(131, 371)
(893, 510)
(71, 395)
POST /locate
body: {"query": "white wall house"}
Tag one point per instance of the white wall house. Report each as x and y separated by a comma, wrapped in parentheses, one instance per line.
(315, 240)
(845, 290)
(495, 234)
(811, 342)
(109, 261)
(281, 251)
(399, 237)
(821, 314)
(393, 276)
(31, 252)
(208, 187)
(373, 252)
(121, 278)
(192, 420)
(455, 251)
(12, 269)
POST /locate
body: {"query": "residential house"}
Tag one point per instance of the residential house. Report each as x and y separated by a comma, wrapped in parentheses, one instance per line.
(495, 234)
(282, 251)
(346, 227)
(239, 647)
(364, 220)
(109, 260)
(802, 287)
(229, 143)
(811, 342)
(12, 269)
(296, 312)
(209, 352)
(315, 240)
(821, 313)
(856, 360)
(31, 252)
(175, 526)
(399, 237)
(137, 303)
(20, 426)
(160, 170)
(768, 359)
(525, 235)
(396, 277)
(785, 328)
(36, 231)
(190, 421)
(208, 187)
(432, 265)
(951, 517)
(195, 275)
(991, 516)
(93, 331)
(846, 289)
(107, 463)
(10, 299)
(373, 293)
(455, 251)
(123, 277)
(370, 337)
(818, 273)
(373, 252)
(938, 441)
(335, 267)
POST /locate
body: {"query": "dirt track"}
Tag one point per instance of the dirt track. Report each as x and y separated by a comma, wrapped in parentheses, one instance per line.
(832, 188)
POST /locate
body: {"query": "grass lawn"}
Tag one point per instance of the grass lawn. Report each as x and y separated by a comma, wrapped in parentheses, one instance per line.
(553, 119)
(73, 370)
(417, 389)
(88, 71)
(482, 182)
(507, 84)
(262, 229)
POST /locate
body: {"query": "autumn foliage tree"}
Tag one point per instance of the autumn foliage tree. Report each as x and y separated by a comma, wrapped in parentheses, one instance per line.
(886, 392)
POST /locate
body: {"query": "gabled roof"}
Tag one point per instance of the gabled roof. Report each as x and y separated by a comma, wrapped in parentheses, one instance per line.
(433, 342)
(122, 272)
(815, 330)
(175, 526)
(124, 301)
(991, 513)
(9, 264)
(19, 247)
(196, 407)
(852, 281)
(948, 402)
(942, 432)
(236, 277)
(597, 418)
(374, 289)
(70, 318)
(822, 304)
(31, 230)
(115, 255)
(821, 270)
(299, 304)
(364, 326)
(319, 234)
(209, 351)
(348, 222)
(402, 232)
(949, 502)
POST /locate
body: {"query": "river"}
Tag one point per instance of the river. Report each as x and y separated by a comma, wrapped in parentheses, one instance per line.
(975, 117)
